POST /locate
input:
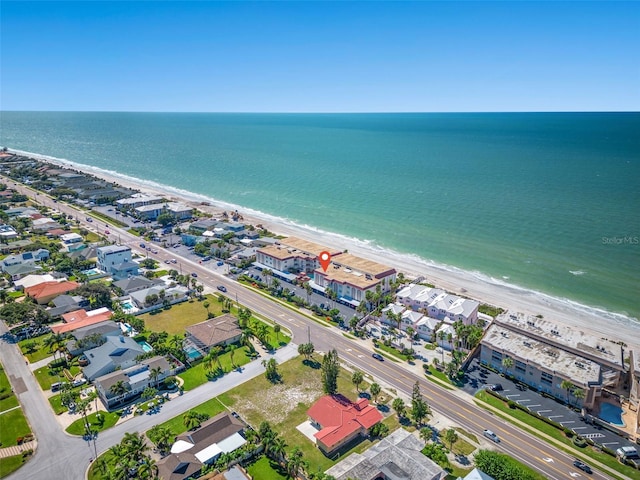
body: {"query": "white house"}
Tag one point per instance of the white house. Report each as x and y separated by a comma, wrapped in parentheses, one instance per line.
(116, 261)
(439, 304)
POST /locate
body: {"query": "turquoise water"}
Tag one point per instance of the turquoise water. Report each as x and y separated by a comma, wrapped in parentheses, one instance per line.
(146, 347)
(612, 414)
(546, 201)
(192, 353)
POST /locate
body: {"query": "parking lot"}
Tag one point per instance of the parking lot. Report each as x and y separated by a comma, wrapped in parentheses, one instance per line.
(477, 377)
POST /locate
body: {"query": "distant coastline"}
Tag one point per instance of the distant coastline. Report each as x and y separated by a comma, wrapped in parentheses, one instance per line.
(471, 284)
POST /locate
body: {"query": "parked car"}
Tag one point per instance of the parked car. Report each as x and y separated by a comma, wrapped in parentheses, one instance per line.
(194, 274)
(582, 466)
(222, 288)
(220, 263)
(491, 436)
(496, 387)
(142, 245)
(378, 357)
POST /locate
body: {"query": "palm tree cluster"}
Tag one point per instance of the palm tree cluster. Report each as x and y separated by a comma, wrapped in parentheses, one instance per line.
(128, 460)
(275, 448)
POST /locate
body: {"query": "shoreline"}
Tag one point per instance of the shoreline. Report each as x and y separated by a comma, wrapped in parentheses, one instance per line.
(474, 285)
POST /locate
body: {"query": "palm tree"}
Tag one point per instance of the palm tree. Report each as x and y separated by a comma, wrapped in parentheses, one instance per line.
(567, 386)
(232, 349)
(399, 406)
(119, 388)
(357, 378)
(276, 330)
(451, 436)
(426, 434)
(154, 374)
(507, 363)
(375, 391)
(295, 462)
(578, 394)
(191, 420)
(309, 290)
(277, 449)
(206, 306)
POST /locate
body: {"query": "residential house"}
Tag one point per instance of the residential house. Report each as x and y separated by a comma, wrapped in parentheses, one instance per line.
(446, 336)
(340, 421)
(161, 295)
(81, 318)
(439, 304)
(196, 448)
(136, 283)
(397, 456)
(72, 241)
(149, 212)
(21, 270)
(180, 211)
(477, 474)
(45, 292)
(44, 224)
(222, 330)
(116, 261)
(24, 258)
(66, 303)
(87, 253)
(116, 353)
(7, 232)
(91, 336)
(135, 380)
(32, 280)
(201, 226)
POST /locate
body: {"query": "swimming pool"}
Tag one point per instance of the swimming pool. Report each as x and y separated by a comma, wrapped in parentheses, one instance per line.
(611, 414)
(127, 305)
(145, 346)
(92, 271)
(192, 352)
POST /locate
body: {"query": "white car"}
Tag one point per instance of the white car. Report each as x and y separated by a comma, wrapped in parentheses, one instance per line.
(491, 436)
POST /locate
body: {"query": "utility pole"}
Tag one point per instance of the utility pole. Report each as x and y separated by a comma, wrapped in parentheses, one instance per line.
(308, 334)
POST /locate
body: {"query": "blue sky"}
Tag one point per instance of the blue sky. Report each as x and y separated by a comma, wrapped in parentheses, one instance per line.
(320, 56)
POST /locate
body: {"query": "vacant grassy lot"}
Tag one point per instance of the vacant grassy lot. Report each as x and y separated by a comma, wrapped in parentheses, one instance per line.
(285, 405)
(174, 320)
(13, 424)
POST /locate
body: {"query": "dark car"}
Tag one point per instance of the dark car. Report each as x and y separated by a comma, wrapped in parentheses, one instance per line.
(194, 274)
(222, 288)
(377, 356)
(582, 466)
(496, 387)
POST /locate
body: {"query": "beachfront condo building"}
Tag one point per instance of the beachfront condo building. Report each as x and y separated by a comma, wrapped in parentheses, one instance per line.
(290, 256)
(439, 304)
(350, 277)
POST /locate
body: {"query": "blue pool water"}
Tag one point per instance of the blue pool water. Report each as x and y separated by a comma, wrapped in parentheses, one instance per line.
(192, 353)
(145, 346)
(127, 305)
(91, 271)
(611, 414)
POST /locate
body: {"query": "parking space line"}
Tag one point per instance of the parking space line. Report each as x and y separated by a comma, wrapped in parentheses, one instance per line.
(541, 411)
(567, 422)
(553, 416)
(579, 428)
(538, 405)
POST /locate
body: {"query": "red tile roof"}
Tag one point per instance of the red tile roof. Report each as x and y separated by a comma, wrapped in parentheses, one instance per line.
(339, 417)
(78, 319)
(46, 289)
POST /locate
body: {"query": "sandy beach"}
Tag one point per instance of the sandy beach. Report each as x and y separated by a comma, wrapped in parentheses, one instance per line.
(602, 323)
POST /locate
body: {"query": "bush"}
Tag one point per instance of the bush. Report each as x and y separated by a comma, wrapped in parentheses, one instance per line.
(579, 442)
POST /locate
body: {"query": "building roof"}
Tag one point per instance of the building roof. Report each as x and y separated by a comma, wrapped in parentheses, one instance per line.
(46, 289)
(398, 456)
(215, 331)
(594, 347)
(81, 318)
(477, 474)
(310, 248)
(218, 434)
(102, 328)
(20, 268)
(339, 417)
(133, 373)
(117, 351)
(32, 280)
(136, 282)
(578, 369)
(109, 249)
(375, 269)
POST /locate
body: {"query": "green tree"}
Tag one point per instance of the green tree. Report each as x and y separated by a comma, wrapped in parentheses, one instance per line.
(578, 394)
(399, 406)
(375, 390)
(426, 434)
(306, 349)
(567, 386)
(419, 407)
(330, 372)
(507, 363)
(161, 436)
(271, 370)
(357, 378)
(191, 420)
(451, 437)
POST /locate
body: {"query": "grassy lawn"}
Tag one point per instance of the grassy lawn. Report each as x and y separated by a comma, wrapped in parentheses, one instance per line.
(196, 376)
(456, 472)
(77, 427)
(393, 354)
(10, 464)
(539, 425)
(212, 407)
(56, 404)
(265, 469)
(41, 351)
(175, 319)
(45, 377)
(285, 405)
(5, 389)
(462, 447)
(13, 424)
(470, 436)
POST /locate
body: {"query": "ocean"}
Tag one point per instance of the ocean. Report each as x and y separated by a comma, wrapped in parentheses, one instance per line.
(549, 202)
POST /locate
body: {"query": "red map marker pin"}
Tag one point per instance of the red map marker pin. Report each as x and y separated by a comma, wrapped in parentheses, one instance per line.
(325, 260)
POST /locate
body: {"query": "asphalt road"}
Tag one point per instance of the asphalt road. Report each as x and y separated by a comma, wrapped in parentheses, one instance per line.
(65, 453)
